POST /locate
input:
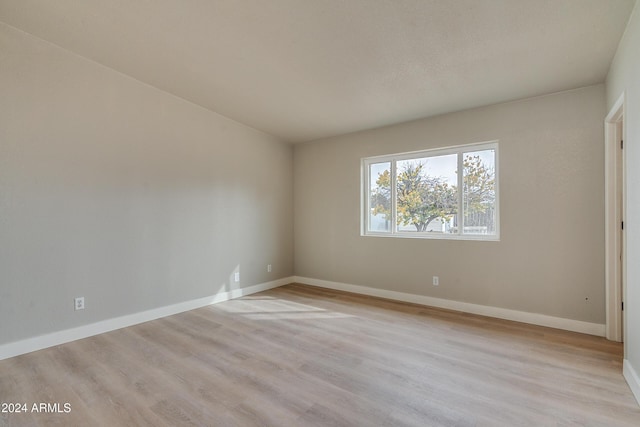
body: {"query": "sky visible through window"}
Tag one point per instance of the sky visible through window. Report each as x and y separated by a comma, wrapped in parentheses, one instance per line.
(443, 169)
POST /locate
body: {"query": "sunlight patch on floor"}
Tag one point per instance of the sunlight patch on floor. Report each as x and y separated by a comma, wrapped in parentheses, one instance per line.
(277, 309)
(297, 316)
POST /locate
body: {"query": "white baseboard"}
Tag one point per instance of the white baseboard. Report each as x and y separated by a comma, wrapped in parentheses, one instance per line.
(56, 338)
(500, 313)
(632, 378)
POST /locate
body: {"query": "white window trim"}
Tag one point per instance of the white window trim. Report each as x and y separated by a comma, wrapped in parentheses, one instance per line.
(393, 158)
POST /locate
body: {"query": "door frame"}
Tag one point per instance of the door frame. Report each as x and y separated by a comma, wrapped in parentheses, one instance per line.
(615, 209)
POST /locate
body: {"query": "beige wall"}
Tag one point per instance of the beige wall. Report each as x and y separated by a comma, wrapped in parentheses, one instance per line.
(135, 199)
(624, 77)
(550, 259)
(130, 197)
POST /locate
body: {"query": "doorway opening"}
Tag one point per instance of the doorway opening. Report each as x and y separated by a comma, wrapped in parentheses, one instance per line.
(615, 245)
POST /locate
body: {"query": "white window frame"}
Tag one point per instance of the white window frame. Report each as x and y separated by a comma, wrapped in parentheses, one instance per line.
(459, 150)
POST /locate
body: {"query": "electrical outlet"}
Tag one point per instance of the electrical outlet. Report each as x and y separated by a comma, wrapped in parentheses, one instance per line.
(236, 276)
(79, 303)
(268, 268)
(436, 281)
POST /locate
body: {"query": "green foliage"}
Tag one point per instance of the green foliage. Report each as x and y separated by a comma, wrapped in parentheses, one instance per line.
(381, 195)
(423, 198)
(479, 185)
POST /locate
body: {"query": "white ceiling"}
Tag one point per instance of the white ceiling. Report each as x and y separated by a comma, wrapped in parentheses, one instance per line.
(308, 69)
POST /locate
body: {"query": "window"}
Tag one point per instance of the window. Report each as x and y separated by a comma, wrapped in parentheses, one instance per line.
(449, 193)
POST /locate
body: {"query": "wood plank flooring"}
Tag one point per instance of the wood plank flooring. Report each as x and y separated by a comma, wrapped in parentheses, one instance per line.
(304, 356)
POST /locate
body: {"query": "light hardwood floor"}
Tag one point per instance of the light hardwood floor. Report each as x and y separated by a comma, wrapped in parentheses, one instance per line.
(304, 356)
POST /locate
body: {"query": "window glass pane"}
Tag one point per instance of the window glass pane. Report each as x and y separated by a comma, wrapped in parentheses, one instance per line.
(449, 193)
(479, 192)
(380, 197)
(427, 194)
